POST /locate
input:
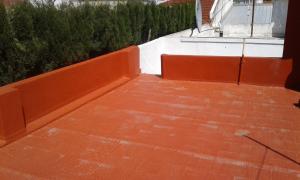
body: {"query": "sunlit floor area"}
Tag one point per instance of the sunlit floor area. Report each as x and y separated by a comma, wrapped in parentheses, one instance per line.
(152, 128)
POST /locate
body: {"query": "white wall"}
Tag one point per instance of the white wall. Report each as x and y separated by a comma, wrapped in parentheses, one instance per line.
(264, 48)
(244, 30)
(203, 46)
(150, 53)
(235, 20)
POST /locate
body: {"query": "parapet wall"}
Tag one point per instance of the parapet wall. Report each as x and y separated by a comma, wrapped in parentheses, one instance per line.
(201, 68)
(265, 71)
(239, 70)
(32, 103)
(181, 44)
(29, 100)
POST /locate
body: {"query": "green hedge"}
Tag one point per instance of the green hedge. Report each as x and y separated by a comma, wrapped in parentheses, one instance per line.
(41, 37)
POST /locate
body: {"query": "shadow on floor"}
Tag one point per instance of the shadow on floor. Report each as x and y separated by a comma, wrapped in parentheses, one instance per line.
(297, 104)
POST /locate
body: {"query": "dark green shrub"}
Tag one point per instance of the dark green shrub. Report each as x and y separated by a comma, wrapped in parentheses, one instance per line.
(11, 69)
(122, 22)
(42, 37)
(136, 15)
(81, 22)
(148, 24)
(27, 44)
(102, 30)
(53, 33)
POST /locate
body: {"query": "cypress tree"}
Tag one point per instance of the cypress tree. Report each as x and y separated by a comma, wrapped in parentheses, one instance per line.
(172, 21)
(155, 24)
(42, 37)
(80, 23)
(113, 41)
(7, 49)
(191, 15)
(26, 43)
(148, 24)
(136, 15)
(182, 18)
(123, 22)
(102, 30)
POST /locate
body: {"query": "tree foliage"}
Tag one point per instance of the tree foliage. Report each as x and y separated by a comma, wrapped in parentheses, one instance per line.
(40, 37)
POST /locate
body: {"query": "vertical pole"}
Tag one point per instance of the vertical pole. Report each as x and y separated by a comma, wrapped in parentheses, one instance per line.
(252, 23)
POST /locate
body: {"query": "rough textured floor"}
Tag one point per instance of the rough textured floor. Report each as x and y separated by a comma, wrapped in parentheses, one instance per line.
(157, 129)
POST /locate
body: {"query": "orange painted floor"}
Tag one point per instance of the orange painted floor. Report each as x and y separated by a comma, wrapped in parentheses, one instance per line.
(157, 129)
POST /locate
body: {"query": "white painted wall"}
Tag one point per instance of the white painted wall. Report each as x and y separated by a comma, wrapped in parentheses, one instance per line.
(264, 48)
(150, 54)
(203, 46)
(244, 30)
(177, 44)
(235, 20)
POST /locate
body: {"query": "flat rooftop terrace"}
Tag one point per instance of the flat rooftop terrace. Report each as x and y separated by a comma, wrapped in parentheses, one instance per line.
(152, 128)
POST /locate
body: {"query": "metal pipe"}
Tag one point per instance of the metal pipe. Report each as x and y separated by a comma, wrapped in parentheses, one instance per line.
(232, 42)
(252, 23)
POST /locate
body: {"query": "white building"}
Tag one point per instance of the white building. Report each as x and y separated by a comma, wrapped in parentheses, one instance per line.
(234, 17)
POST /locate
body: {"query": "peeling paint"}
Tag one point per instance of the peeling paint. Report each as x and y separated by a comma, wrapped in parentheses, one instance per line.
(53, 131)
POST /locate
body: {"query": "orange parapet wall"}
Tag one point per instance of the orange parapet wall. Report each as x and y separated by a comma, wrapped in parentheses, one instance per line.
(265, 71)
(26, 101)
(201, 68)
(246, 70)
(11, 113)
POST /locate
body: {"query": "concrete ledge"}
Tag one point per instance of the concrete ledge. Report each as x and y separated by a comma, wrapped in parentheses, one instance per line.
(133, 61)
(12, 121)
(33, 102)
(265, 71)
(201, 68)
